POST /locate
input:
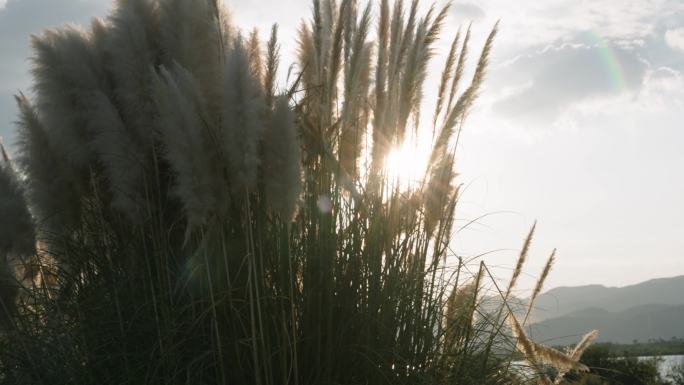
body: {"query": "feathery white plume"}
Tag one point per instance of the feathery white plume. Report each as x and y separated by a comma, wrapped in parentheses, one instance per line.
(243, 122)
(118, 154)
(192, 34)
(281, 161)
(66, 75)
(131, 48)
(181, 110)
(17, 232)
(51, 190)
(17, 235)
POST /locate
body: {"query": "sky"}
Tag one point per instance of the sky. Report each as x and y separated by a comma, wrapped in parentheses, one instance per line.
(578, 126)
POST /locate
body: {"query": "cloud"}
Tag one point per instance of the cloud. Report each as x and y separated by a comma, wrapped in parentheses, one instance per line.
(556, 77)
(530, 23)
(663, 90)
(467, 11)
(657, 101)
(675, 38)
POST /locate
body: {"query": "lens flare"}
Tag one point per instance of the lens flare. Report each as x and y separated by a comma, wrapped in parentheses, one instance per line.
(405, 166)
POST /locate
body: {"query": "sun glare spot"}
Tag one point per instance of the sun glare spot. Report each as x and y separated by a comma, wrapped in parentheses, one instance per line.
(406, 165)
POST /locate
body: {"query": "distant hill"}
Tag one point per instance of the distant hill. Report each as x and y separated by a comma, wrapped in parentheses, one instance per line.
(566, 300)
(649, 310)
(640, 323)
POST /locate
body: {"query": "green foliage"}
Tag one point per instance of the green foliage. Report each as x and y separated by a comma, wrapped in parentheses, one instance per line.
(651, 348)
(676, 376)
(609, 369)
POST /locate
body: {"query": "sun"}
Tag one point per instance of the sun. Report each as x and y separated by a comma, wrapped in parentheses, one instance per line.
(405, 165)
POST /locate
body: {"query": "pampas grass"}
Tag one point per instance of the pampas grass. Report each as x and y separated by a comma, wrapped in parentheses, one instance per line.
(182, 125)
(446, 76)
(281, 166)
(130, 47)
(576, 353)
(458, 317)
(17, 238)
(18, 235)
(521, 261)
(118, 153)
(272, 63)
(51, 189)
(536, 354)
(243, 119)
(540, 283)
(458, 71)
(200, 226)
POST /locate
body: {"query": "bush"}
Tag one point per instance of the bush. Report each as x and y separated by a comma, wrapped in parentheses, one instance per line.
(608, 369)
(676, 375)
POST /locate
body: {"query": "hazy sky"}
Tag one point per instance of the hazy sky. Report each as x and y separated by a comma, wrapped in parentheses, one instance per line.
(579, 126)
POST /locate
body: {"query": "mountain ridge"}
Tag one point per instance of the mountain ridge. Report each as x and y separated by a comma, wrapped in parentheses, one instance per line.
(652, 309)
(564, 300)
(641, 323)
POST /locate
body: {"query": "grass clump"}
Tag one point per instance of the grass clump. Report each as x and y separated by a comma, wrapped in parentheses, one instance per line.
(197, 225)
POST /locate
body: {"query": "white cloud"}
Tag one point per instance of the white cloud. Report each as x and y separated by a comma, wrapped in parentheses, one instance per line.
(467, 11)
(558, 77)
(663, 90)
(656, 100)
(528, 23)
(675, 38)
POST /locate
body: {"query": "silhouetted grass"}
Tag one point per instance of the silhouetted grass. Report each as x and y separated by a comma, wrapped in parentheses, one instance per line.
(195, 225)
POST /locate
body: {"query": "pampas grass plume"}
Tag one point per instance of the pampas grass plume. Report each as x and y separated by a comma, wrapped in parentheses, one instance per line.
(66, 75)
(17, 232)
(17, 235)
(50, 186)
(243, 120)
(521, 261)
(281, 161)
(272, 63)
(181, 124)
(459, 311)
(540, 284)
(439, 192)
(131, 47)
